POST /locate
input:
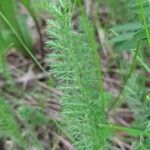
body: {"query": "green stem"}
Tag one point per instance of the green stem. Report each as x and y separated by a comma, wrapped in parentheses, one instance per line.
(130, 131)
(21, 41)
(33, 15)
(132, 68)
(144, 21)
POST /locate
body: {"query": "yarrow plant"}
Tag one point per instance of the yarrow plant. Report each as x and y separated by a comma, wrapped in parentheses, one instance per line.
(76, 67)
(87, 109)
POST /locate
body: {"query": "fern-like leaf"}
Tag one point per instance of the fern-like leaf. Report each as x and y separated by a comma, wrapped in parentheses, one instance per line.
(76, 69)
(138, 100)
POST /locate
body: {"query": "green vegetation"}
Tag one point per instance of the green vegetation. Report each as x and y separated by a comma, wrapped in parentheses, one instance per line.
(9, 127)
(92, 90)
(77, 67)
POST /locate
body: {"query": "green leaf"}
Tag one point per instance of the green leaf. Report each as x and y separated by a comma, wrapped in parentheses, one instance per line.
(9, 8)
(127, 45)
(123, 37)
(9, 126)
(127, 27)
(24, 31)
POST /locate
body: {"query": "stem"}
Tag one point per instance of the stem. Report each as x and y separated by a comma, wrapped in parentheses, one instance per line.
(132, 68)
(32, 13)
(21, 41)
(130, 131)
(144, 21)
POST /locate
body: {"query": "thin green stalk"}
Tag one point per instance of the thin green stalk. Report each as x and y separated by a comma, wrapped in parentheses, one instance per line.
(144, 21)
(98, 60)
(33, 15)
(118, 100)
(130, 131)
(21, 41)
